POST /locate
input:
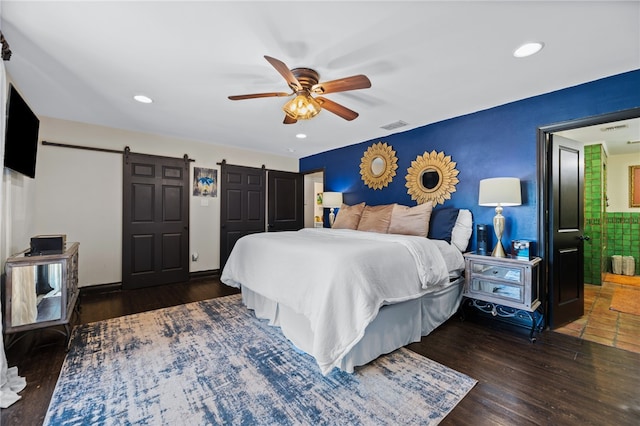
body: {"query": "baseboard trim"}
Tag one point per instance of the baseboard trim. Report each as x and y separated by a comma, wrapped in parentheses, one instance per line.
(210, 273)
(100, 288)
(111, 287)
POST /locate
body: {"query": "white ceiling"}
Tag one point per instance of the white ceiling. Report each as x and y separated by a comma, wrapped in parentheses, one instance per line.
(620, 137)
(427, 61)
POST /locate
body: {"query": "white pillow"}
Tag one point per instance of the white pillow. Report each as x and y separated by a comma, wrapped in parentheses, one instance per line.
(462, 230)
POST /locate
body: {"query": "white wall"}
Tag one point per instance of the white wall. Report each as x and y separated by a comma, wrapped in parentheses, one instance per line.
(19, 198)
(79, 192)
(618, 182)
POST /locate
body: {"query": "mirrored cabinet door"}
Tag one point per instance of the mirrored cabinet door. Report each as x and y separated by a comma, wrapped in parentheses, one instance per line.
(36, 293)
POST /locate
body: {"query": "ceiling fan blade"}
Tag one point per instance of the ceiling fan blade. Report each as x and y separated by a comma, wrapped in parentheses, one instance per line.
(259, 95)
(289, 120)
(336, 108)
(342, 84)
(284, 71)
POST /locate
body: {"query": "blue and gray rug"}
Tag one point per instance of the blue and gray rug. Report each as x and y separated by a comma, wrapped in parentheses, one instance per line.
(213, 362)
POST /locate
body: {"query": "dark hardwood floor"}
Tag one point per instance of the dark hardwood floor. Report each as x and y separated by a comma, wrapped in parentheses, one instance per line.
(559, 380)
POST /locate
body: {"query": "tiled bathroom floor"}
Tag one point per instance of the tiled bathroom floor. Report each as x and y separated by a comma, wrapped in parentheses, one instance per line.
(602, 325)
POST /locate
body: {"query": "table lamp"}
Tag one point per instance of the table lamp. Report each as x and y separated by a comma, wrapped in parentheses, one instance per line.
(332, 200)
(499, 192)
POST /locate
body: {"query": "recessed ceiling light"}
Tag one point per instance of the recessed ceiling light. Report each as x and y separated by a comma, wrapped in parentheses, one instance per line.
(528, 49)
(143, 99)
(301, 136)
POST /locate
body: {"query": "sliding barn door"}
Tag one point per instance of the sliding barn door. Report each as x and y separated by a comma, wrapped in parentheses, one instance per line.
(155, 241)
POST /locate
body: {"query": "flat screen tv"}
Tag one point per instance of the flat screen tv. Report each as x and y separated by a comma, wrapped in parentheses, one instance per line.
(21, 137)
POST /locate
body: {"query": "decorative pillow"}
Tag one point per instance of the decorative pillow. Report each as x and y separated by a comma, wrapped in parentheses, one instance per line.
(462, 230)
(348, 217)
(376, 218)
(442, 223)
(407, 220)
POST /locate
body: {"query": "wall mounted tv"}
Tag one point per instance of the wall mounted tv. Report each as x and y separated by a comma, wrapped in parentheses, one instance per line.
(21, 138)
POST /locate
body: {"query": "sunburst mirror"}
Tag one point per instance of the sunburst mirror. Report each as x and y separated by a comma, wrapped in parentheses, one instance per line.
(378, 165)
(432, 177)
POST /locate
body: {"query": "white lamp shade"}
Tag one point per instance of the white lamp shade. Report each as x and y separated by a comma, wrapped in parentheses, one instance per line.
(332, 199)
(504, 191)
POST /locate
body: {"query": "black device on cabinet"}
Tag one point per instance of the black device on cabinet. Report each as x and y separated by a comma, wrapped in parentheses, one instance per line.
(21, 136)
(481, 238)
(47, 244)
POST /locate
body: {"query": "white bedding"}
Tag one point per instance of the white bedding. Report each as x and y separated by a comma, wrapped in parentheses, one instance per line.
(339, 279)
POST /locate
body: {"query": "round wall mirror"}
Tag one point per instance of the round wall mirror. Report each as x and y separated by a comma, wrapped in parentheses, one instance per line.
(378, 165)
(432, 177)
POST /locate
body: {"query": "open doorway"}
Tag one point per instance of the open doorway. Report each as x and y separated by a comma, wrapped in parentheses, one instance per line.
(609, 150)
(313, 189)
(611, 143)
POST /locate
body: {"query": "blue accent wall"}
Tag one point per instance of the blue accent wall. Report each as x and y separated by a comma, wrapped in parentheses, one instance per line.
(497, 142)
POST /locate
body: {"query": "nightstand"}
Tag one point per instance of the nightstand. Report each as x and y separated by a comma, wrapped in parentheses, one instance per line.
(506, 288)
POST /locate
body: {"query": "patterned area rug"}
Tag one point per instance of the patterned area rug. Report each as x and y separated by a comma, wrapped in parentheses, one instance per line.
(213, 362)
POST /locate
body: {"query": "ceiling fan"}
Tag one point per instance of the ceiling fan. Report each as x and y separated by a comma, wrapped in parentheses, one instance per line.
(304, 82)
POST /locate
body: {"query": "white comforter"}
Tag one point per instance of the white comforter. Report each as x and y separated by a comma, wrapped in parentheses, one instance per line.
(338, 279)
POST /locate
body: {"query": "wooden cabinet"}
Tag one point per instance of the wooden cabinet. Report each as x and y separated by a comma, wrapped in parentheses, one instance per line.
(40, 291)
(504, 288)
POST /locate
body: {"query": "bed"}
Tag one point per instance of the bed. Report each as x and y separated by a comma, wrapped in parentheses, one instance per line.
(347, 295)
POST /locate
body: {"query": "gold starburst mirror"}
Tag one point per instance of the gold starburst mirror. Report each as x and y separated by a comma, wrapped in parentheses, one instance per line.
(432, 177)
(378, 165)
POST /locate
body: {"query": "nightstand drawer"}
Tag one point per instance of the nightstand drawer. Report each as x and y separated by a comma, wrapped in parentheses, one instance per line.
(496, 291)
(509, 273)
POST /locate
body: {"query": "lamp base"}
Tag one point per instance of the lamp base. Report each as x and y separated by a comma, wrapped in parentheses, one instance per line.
(332, 217)
(498, 228)
(498, 250)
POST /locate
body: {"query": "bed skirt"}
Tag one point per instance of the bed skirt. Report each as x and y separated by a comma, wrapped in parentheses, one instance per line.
(395, 326)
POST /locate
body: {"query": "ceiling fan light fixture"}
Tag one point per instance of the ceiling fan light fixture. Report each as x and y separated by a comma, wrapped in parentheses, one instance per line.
(302, 107)
(304, 82)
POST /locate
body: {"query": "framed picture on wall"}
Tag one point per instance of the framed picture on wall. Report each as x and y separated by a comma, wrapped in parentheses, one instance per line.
(634, 186)
(205, 182)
